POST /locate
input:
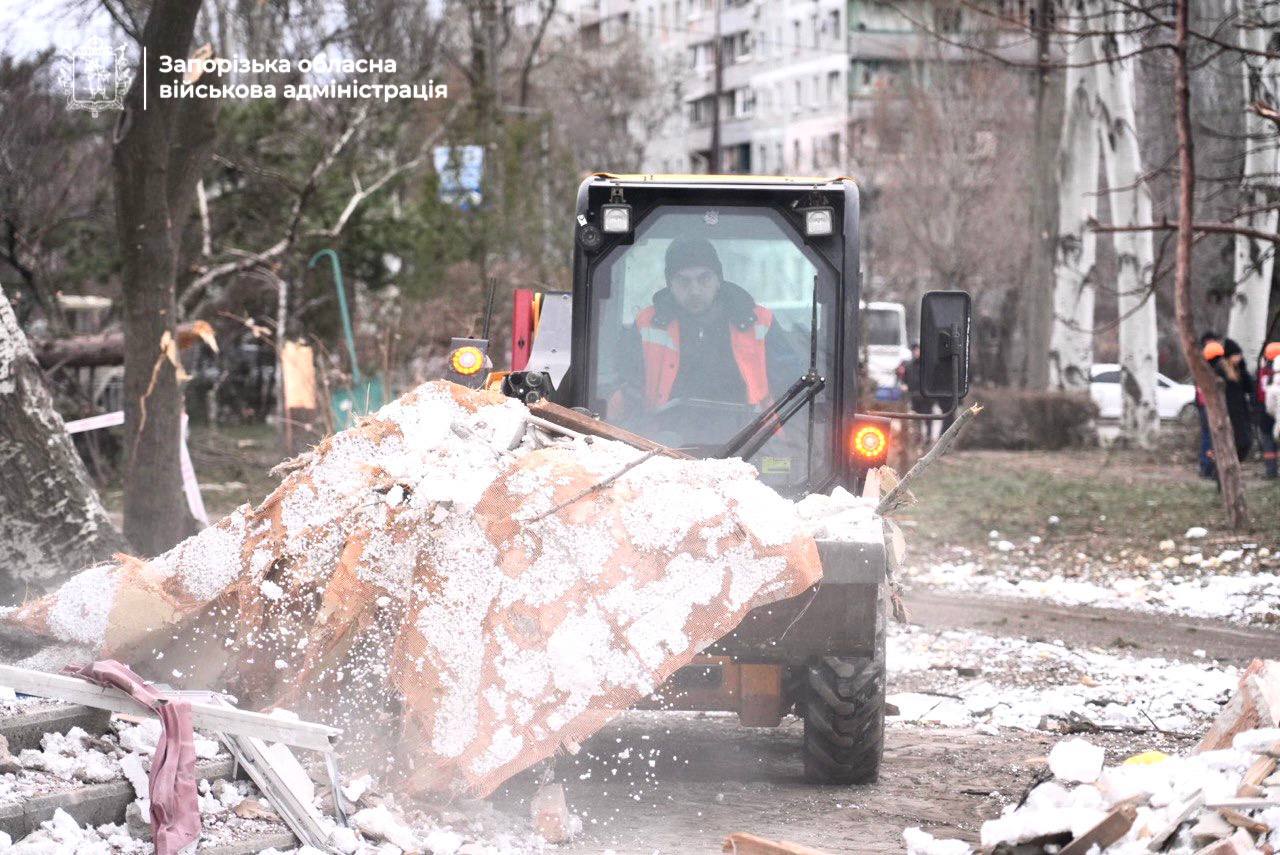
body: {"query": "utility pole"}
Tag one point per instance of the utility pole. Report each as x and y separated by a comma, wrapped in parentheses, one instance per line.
(1036, 305)
(713, 163)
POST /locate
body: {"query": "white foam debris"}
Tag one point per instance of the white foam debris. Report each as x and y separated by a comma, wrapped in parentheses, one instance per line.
(1237, 595)
(920, 842)
(380, 824)
(1196, 532)
(1090, 684)
(1161, 788)
(83, 605)
(1077, 760)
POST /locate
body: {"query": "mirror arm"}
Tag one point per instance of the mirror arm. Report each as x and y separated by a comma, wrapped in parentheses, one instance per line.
(932, 417)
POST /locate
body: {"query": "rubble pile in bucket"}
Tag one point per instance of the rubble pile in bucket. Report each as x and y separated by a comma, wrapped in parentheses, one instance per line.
(450, 577)
(1222, 799)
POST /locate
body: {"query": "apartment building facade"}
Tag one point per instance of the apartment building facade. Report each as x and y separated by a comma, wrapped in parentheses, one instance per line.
(784, 84)
(799, 77)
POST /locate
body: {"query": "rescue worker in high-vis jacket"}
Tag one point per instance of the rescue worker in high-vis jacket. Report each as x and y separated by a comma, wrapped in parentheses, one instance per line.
(1267, 400)
(705, 338)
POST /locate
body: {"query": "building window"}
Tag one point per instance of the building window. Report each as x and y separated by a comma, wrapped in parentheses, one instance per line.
(946, 19)
(833, 87)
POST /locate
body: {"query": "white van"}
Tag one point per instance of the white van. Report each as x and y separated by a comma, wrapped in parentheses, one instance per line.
(885, 329)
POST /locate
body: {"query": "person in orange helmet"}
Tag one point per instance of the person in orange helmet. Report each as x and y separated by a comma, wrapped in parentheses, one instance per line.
(1267, 396)
(1227, 360)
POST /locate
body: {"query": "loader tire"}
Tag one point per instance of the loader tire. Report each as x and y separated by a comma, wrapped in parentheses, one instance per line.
(843, 708)
(844, 721)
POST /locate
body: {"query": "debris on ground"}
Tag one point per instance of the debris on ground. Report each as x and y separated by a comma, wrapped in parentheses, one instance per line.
(453, 577)
(1222, 798)
(967, 678)
(1241, 585)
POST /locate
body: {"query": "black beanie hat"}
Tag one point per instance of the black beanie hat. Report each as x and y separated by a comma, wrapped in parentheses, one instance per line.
(688, 251)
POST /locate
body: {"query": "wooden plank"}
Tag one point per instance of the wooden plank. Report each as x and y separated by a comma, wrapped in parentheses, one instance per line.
(1192, 805)
(1258, 772)
(1239, 820)
(583, 423)
(204, 716)
(1112, 827)
(740, 843)
(1245, 803)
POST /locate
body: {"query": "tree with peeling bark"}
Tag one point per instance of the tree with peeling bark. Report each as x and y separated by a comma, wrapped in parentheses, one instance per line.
(157, 158)
(1075, 253)
(1130, 198)
(51, 521)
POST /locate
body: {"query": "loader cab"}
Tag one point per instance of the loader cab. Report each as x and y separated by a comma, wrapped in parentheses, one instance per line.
(699, 299)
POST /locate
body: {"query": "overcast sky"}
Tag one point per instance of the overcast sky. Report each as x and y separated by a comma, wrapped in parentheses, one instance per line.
(29, 26)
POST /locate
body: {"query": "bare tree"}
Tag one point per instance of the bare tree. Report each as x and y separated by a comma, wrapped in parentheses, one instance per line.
(1215, 404)
(158, 154)
(949, 164)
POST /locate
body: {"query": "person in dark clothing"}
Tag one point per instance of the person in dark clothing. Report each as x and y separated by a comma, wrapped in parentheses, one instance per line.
(910, 374)
(1266, 375)
(1227, 361)
(704, 339)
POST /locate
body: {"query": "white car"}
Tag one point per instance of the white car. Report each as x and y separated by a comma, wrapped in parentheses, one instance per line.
(1173, 400)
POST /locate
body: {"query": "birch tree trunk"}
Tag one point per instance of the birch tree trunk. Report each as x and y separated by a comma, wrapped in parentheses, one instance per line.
(1254, 258)
(1135, 251)
(51, 522)
(1071, 342)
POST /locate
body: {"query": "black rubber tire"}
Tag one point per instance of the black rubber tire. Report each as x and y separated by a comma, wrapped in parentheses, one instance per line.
(843, 712)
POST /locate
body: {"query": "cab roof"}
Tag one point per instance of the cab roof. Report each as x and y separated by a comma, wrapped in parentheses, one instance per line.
(692, 178)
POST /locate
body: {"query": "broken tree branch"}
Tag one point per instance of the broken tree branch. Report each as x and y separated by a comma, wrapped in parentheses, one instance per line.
(941, 447)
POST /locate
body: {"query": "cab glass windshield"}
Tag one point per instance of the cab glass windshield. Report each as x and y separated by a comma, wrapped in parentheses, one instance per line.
(706, 319)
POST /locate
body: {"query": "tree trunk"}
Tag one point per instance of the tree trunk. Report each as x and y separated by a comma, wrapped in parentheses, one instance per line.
(157, 157)
(1071, 343)
(1224, 443)
(1135, 251)
(1037, 302)
(51, 522)
(1254, 260)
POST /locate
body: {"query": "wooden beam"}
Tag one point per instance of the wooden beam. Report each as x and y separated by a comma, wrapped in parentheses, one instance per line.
(740, 843)
(1110, 829)
(204, 716)
(583, 423)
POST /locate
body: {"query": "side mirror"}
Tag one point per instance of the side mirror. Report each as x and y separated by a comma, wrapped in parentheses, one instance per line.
(944, 344)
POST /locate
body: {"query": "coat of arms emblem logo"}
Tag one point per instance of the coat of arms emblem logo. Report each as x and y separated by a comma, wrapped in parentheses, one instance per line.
(95, 77)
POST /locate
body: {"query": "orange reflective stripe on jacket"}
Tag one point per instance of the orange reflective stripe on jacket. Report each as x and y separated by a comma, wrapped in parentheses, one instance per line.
(661, 349)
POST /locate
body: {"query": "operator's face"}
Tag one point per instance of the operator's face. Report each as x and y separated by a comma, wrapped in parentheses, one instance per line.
(695, 288)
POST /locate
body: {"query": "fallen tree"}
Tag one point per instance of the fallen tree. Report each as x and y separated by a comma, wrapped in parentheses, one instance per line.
(51, 520)
(447, 579)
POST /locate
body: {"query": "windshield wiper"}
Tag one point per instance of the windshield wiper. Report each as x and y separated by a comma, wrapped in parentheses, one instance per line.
(746, 442)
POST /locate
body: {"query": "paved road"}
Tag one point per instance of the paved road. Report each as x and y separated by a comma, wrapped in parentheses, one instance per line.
(679, 782)
(1141, 633)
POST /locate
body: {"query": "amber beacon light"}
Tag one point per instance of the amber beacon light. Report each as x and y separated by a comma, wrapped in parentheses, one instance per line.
(869, 441)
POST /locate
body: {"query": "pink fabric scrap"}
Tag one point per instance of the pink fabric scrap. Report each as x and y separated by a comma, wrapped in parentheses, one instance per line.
(175, 807)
